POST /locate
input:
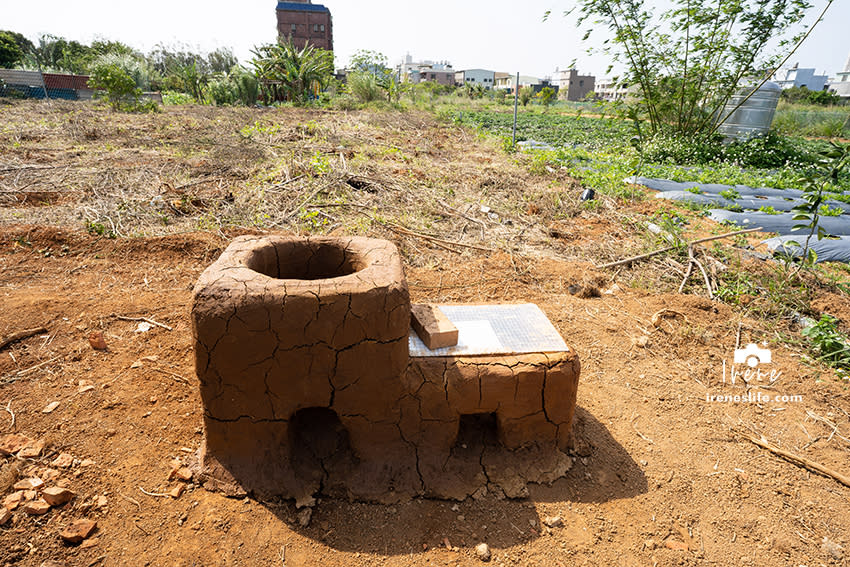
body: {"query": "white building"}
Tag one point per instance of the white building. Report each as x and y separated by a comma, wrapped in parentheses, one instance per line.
(840, 84)
(473, 77)
(797, 77)
(418, 71)
(506, 81)
(608, 89)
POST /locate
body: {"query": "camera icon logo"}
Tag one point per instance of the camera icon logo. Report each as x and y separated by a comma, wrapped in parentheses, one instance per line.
(752, 355)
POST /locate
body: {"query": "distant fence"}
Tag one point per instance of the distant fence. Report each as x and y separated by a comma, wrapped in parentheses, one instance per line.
(35, 84)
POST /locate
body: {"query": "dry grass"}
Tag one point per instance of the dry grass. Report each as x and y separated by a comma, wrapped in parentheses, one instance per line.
(399, 174)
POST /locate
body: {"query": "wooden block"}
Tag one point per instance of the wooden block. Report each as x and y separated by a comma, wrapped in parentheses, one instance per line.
(432, 326)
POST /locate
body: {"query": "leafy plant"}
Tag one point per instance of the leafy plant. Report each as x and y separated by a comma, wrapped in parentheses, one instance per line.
(525, 95)
(831, 346)
(687, 60)
(545, 96)
(832, 163)
(827, 211)
(118, 86)
(730, 194)
(364, 86)
(803, 94)
(288, 73)
(237, 86)
(10, 51)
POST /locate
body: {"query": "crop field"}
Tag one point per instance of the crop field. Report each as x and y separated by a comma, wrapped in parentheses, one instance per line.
(108, 218)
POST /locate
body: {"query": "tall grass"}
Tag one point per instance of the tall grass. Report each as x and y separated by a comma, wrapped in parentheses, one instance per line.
(809, 120)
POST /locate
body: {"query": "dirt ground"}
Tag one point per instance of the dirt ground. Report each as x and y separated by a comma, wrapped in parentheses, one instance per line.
(662, 475)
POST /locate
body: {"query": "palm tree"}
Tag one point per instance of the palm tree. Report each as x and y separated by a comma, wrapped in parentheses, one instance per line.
(288, 73)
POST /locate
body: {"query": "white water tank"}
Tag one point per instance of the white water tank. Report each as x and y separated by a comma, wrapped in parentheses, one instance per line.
(754, 116)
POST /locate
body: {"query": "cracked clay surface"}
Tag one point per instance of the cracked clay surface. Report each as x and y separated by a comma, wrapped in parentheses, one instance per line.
(301, 349)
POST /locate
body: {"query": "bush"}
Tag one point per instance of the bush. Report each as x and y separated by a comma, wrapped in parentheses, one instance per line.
(238, 86)
(119, 89)
(10, 52)
(365, 87)
(174, 98)
(804, 95)
(770, 151)
(119, 86)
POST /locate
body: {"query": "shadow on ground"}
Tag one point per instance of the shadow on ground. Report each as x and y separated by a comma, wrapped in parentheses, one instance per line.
(605, 472)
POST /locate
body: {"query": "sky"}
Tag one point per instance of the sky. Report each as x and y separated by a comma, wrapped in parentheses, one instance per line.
(500, 35)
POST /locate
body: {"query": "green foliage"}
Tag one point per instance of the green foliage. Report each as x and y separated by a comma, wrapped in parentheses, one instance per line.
(525, 95)
(53, 53)
(192, 78)
(10, 51)
(364, 86)
(815, 183)
(119, 88)
(367, 61)
(545, 96)
(222, 60)
(181, 69)
(132, 64)
(287, 73)
(730, 194)
(24, 44)
(804, 95)
(174, 98)
(809, 120)
(689, 58)
(827, 211)
(98, 229)
(768, 151)
(238, 86)
(554, 129)
(829, 344)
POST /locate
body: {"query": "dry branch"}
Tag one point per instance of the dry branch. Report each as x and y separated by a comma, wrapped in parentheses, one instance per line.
(145, 320)
(669, 248)
(154, 494)
(21, 335)
(8, 408)
(409, 232)
(798, 460)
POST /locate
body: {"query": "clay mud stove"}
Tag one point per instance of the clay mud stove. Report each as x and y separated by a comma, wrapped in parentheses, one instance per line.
(313, 381)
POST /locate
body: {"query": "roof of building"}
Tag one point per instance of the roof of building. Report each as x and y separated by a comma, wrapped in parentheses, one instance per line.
(298, 7)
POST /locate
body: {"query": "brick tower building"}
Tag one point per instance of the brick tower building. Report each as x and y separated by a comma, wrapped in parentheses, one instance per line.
(304, 22)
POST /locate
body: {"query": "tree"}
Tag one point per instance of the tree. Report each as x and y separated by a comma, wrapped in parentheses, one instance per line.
(804, 95)
(288, 73)
(366, 61)
(192, 78)
(119, 86)
(10, 52)
(364, 86)
(222, 60)
(691, 58)
(525, 94)
(8, 56)
(23, 43)
(546, 96)
(238, 86)
(54, 53)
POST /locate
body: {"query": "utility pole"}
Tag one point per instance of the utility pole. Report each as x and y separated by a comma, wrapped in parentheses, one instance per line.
(516, 102)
